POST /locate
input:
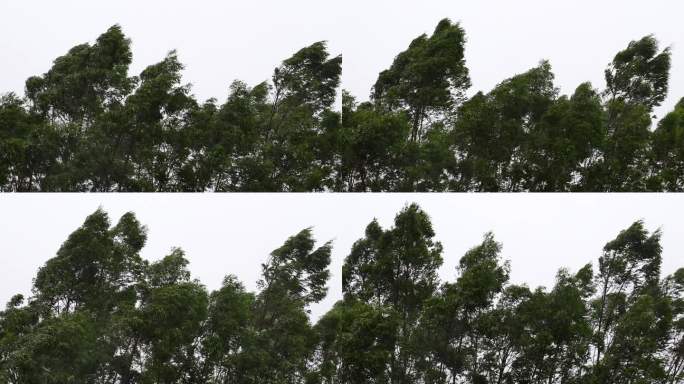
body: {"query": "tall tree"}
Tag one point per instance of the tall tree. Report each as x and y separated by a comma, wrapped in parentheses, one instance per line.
(636, 82)
(493, 132)
(396, 268)
(668, 151)
(428, 78)
(627, 285)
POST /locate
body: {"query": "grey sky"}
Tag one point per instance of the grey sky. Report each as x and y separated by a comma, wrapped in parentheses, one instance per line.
(234, 233)
(220, 41)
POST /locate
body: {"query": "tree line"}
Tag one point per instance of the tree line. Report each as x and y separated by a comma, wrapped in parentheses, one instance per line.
(419, 131)
(87, 125)
(99, 313)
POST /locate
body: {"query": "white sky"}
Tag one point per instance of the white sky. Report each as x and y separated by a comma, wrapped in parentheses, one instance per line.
(220, 41)
(234, 233)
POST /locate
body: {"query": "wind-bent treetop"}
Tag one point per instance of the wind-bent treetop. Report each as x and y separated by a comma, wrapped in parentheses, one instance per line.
(99, 313)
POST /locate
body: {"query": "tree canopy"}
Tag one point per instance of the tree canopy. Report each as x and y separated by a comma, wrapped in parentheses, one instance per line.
(100, 313)
(88, 125)
(522, 135)
(618, 323)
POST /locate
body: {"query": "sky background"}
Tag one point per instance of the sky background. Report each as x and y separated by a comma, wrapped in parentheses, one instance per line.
(234, 233)
(220, 41)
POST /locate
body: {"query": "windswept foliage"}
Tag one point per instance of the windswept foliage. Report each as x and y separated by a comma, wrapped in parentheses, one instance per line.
(99, 313)
(523, 135)
(399, 324)
(88, 125)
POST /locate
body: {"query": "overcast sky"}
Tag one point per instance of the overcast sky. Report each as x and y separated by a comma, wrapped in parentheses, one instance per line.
(234, 233)
(220, 41)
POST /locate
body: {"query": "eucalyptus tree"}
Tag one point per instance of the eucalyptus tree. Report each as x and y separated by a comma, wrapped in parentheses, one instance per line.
(636, 82)
(396, 268)
(27, 146)
(294, 277)
(673, 288)
(521, 136)
(369, 147)
(495, 158)
(668, 151)
(87, 125)
(630, 317)
(429, 78)
(298, 116)
(99, 313)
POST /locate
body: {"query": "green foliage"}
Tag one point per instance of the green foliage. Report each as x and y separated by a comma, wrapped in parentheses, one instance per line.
(522, 135)
(101, 314)
(87, 125)
(85, 81)
(428, 78)
(620, 325)
(668, 150)
(639, 74)
(356, 344)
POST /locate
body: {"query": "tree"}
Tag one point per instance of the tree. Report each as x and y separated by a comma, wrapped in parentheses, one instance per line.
(673, 287)
(228, 331)
(396, 268)
(626, 311)
(356, 343)
(428, 78)
(86, 81)
(101, 314)
(619, 325)
(94, 268)
(668, 151)
(566, 141)
(639, 74)
(85, 125)
(370, 147)
(294, 277)
(493, 132)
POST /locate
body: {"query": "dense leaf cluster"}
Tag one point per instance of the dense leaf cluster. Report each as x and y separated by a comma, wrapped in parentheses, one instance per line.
(86, 125)
(419, 132)
(621, 323)
(99, 313)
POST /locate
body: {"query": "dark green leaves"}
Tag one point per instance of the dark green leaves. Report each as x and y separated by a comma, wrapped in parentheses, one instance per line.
(621, 325)
(639, 74)
(299, 269)
(85, 125)
(100, 313)
(86, 80)
(428, 78)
